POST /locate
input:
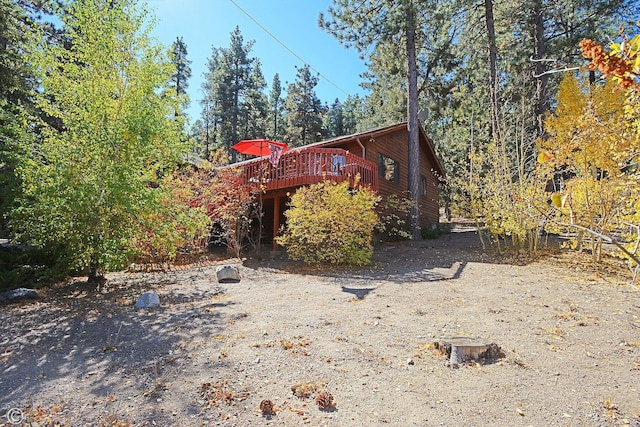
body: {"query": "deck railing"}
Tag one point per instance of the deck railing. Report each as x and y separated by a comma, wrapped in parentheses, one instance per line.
(310, 166)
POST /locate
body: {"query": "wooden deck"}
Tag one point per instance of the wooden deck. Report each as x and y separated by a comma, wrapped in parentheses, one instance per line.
(310, 166)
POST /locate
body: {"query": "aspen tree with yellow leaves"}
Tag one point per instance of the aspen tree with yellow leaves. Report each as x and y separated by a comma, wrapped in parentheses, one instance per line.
(587, 153)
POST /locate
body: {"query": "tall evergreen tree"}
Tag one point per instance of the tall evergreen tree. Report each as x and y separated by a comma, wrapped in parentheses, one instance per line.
(209, 104)
(493, 70)
(387, 82)
(303, 109)
(536, 36)
(233, 81)
(13, 92)
(502, 87)
(275, 109)
(254, 117)
(182, 74)
(13, 69)
(334, 120)
(234, 75)
(422, 31)
(354, 113)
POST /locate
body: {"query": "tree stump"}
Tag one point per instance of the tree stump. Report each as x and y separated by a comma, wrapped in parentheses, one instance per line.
(468, 349)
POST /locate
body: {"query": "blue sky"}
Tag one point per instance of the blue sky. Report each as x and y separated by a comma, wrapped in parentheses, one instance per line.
(206, 23)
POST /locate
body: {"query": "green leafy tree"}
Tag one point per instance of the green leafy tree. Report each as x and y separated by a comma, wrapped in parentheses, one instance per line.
(92, 187)
(330, 223)
(17, 21)
(14, 137)
(304, 109)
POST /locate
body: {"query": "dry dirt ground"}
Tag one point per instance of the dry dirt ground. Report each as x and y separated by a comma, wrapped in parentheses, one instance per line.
(212, 352)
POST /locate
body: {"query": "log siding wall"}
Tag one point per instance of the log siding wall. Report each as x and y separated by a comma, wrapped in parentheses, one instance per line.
(393, 142)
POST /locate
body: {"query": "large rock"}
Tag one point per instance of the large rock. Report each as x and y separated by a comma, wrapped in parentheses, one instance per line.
(19, 294)
(228, 274)
(148, 300)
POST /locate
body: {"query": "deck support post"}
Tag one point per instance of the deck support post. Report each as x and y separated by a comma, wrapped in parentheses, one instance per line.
(276, 220)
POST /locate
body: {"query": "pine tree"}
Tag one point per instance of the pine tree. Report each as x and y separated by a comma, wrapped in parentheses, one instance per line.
(13, 92)
(421, 32)
(386, 81)
(254, 117)
(232, 85)
(303, 109)
(275, 109)
(182, 74)
(354, 114)
(209, 104)
(537, 36)
(334, 120)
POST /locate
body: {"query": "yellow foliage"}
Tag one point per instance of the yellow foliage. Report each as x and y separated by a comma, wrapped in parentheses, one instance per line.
(588, 131)
(508, 208)
(330, 223)
(593, 142)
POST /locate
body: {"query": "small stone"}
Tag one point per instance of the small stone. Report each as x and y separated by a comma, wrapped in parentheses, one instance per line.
(410, 361)
(148, 300)
(228, 274)
(19, 294)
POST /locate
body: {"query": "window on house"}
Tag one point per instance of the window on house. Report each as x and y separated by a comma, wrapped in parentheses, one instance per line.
(388, 168)
(423, 185)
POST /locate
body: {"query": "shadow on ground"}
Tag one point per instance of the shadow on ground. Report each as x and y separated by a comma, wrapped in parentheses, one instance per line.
(444, 258)
(100, 338)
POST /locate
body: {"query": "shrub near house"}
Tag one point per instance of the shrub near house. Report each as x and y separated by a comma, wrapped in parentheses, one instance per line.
(330, 223)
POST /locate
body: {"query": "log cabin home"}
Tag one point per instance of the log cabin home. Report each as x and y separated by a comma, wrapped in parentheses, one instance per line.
(379, 156)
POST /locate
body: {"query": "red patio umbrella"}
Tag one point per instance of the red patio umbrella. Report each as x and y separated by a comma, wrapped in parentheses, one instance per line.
(257, 147)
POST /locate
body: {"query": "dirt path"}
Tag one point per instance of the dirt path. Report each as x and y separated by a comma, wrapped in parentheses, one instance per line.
(213, 352)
